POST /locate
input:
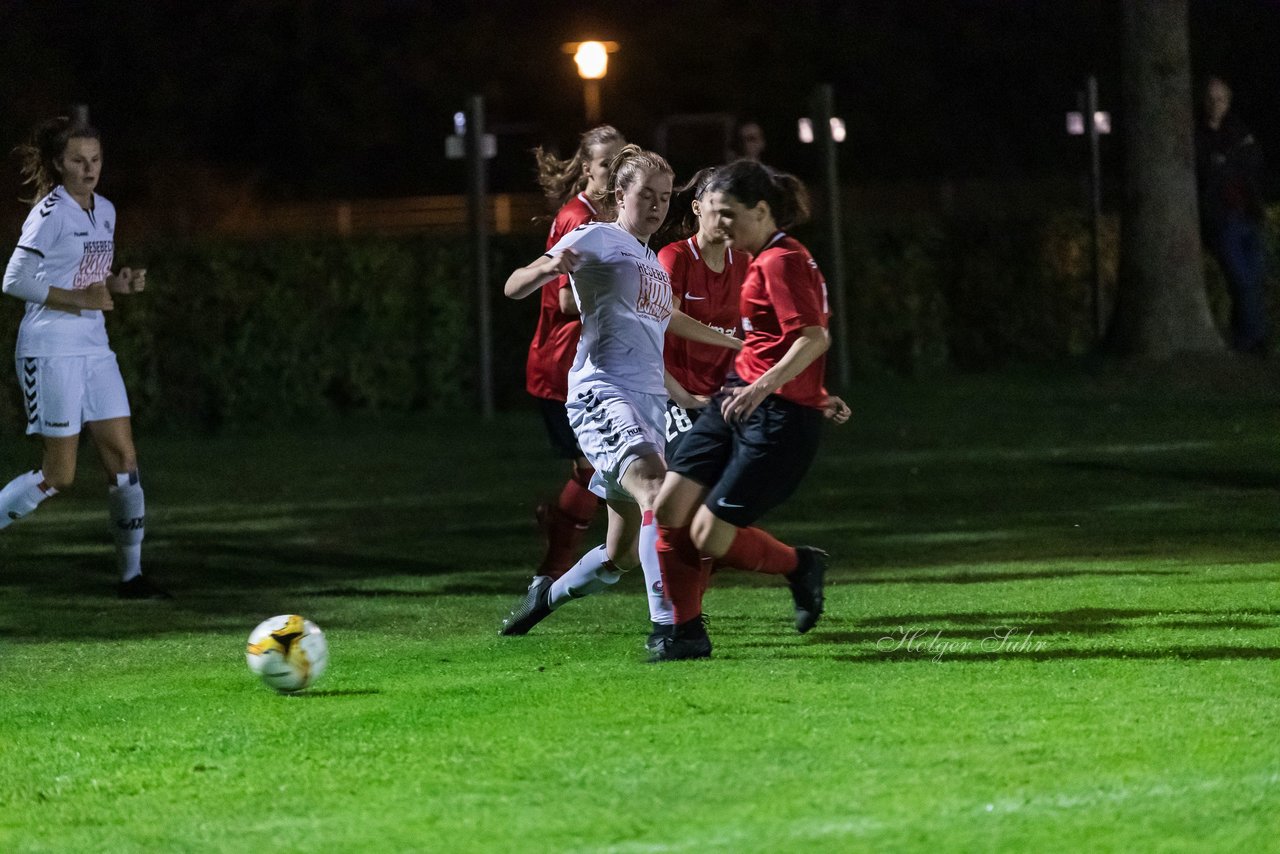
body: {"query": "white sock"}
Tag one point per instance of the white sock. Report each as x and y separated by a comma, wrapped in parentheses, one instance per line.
(660, 609)
(593, 573)
(21, 496)
(128, 522)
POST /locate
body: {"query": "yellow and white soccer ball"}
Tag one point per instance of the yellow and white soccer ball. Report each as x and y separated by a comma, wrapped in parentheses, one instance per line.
(288, 652)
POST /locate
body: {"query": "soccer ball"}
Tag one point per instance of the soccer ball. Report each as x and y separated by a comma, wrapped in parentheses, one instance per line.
(288, 652)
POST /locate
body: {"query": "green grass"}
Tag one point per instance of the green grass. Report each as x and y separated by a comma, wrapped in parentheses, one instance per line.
(1119, 532)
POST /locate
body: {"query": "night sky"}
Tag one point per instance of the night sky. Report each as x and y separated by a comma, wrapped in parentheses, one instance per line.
(310, 100)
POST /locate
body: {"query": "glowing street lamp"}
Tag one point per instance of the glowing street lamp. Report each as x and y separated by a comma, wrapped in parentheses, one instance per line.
(804, 128)
(592, 59)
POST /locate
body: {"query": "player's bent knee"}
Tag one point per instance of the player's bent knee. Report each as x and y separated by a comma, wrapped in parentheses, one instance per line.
(712, 536)
(677, 501)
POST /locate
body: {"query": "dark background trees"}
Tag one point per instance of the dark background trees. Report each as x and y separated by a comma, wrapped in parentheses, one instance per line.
(1161, 307)
(262, 101)
(310, 99)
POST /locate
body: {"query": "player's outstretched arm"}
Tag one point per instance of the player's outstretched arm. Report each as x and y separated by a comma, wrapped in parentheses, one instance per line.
(743, 400)
(529, 278)
(685, 326)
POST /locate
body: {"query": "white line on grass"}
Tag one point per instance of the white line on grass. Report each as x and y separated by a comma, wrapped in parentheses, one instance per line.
(864, 826)
(1117, 794)
(798, 830)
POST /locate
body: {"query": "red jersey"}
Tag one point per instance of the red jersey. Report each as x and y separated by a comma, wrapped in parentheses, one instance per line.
(784, 292)
(708, 297)
(556, 338)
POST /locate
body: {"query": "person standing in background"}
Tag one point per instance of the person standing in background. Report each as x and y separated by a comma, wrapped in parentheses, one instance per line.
(748, 141)
(1232, 215)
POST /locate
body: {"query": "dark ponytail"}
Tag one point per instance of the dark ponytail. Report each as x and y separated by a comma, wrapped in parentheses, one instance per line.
(751, 182)
(681, 221)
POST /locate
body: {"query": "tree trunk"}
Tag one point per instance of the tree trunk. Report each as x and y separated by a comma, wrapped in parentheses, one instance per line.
(1161, 307)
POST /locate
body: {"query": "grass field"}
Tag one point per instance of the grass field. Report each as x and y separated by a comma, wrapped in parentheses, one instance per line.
(1053, 624)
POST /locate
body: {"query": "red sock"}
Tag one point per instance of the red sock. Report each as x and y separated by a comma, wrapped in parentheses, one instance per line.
(682, 577)
(757, 551)
(707, 566)
(576, 499)
(566, 523)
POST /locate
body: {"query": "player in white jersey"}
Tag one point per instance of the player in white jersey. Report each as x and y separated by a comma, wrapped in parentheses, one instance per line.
(68, 374)
(618, 387)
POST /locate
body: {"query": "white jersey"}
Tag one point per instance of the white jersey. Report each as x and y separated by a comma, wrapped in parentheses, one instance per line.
(76, 247)
(624, 296)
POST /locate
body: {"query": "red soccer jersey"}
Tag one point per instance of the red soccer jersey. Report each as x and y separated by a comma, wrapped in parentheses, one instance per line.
(784, 292)
(556, 338)
(708, 297)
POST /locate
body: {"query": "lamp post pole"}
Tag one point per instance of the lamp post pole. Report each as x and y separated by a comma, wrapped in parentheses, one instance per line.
(479, 220)
(1091, 122)
(1095, 171)
(824, 109)
(591, 99)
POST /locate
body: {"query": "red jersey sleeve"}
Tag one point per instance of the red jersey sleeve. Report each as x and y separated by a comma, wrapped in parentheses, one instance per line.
(788, 279)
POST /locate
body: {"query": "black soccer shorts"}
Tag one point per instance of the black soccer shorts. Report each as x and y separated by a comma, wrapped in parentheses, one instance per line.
(752, 466)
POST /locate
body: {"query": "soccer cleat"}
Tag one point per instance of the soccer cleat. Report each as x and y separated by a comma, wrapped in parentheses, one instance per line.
(141, 587)
(532, 610)
(687, 642)
(659, 633)
(806, 582)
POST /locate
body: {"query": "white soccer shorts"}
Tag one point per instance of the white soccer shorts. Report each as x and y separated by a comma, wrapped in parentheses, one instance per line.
(615, 427)
(61, 393)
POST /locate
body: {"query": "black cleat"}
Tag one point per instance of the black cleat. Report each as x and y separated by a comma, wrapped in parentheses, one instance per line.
(141, 587)
(659, 633)
(687, 642)
(806, 583)
(532, 610)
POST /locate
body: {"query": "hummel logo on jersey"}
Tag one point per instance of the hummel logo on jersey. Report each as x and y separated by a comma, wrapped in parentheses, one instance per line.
(57, 423)
(138, 524)
(720, 502)
(81, 234)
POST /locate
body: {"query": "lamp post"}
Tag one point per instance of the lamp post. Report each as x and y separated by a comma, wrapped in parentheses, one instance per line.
(830, 129)
(1092, 122)
(592, 59)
